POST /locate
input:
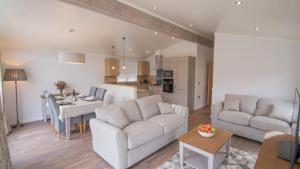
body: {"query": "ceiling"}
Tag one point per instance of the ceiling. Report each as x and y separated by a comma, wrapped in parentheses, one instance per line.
(273, 18)
(45, 24)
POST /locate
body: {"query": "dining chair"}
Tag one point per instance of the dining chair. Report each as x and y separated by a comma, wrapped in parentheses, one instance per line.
(93, 91)
(59, 125)
(100, 94)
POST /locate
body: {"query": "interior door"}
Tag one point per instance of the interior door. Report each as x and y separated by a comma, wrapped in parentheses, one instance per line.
(180, 80)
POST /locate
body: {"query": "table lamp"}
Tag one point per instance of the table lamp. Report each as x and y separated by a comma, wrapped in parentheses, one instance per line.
(15, 75)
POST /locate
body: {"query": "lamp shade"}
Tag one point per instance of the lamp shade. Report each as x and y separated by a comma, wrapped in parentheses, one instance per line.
(15, 75)
(71, 57)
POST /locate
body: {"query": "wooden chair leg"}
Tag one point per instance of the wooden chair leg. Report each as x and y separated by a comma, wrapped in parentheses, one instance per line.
(80, 127)
(84, 126)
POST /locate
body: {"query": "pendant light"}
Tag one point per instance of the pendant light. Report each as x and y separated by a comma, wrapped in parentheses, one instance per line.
(113, 67)
(123, 44)
(71, 57)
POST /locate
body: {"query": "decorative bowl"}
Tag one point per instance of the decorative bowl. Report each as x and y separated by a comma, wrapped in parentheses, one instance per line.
(205, 134)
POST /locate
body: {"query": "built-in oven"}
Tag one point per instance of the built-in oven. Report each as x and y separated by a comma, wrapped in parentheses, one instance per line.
(168, 85)
(168, 73)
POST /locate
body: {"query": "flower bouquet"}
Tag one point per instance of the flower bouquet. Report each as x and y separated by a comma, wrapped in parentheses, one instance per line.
(61, 86)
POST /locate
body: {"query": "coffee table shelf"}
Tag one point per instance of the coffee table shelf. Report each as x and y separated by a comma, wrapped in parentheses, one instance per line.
(199, 161)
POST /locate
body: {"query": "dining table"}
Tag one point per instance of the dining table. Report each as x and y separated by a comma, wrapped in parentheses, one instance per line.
(76, 108)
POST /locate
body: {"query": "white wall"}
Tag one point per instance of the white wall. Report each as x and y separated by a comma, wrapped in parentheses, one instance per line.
(43, 71)
(256, 66)
(203, 56)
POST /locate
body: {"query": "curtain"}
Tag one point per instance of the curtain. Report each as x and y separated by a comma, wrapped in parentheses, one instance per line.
(4, 152)
(6, 126)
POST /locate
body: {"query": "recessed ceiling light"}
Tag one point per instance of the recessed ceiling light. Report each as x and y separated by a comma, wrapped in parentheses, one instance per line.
(155, 33)
(147, 51)
(256, 28)
(173, 38)
(154, 8)
(130, 49)
(190, 25)
(239, 3)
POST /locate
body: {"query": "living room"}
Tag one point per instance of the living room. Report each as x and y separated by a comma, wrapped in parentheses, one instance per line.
(229, 72)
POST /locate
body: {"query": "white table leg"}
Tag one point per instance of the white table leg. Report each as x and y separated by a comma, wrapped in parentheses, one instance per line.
(68, 130)
(210, 161)
(181, 149)
(228, 147)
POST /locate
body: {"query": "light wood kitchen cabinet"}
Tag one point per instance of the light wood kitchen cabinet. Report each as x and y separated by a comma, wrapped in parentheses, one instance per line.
(109, 63)
(143, 68)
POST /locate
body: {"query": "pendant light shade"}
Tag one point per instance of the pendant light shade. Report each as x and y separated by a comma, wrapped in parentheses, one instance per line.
(71, 57)
(123, 44)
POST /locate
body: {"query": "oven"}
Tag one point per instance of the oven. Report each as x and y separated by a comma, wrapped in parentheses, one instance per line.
(168, 73)
(168, 85)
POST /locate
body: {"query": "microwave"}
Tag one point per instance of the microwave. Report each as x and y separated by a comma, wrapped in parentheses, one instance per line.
(168, 73)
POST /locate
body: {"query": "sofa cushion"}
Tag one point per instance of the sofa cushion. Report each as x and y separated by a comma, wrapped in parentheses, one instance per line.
(141, 132)
(247, 103)
(264, 107)
(165, 108)
(117, 118)
(168, 121)
(283, 111)
(131, 110)
(240, 118)
(101, 112)
(231, 105)
(148, 106)
(269, 124)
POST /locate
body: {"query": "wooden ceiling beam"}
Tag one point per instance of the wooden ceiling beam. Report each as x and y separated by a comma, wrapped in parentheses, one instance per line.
(116, 9)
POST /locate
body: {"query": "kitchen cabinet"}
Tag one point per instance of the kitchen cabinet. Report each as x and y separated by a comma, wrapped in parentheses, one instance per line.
(143, 68)
(109, 63)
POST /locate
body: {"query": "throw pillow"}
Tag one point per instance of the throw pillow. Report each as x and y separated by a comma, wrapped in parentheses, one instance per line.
(165, 108)
(148, 106)
(283, 111)
(101, 112)
(117, 118)
(231, 105)
(264, 110)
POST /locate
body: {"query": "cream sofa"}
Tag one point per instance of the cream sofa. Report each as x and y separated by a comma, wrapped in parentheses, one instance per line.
(148, 131)
(256, 116)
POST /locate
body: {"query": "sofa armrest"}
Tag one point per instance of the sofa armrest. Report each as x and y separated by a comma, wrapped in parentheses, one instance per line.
(215, 111)
(183, 112)
(110, 143)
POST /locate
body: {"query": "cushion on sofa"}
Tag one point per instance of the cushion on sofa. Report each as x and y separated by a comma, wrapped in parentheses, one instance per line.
(231, 105)
(117, 118)
(269, 124)
(168, 121)
(148, 106)
(283, 111)
(141, 132)
(247, 103)
(239, 118)
(131, 110)
(102, 112)
(165, 108)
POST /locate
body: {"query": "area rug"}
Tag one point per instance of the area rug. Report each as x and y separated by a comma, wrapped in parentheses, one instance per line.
(237, 159)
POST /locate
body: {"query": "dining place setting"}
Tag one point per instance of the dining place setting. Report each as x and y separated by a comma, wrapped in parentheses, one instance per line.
(67, 109)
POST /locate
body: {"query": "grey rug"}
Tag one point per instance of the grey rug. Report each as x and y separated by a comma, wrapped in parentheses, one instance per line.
(237, 159)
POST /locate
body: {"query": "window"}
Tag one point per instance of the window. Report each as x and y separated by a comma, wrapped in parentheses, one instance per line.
(129, 74)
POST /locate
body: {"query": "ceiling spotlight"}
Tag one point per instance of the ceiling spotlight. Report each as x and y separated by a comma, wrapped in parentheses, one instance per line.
(154, 8)
(239, 3)
(130, 49)
(155, 33)
(173, 38)
(256, 28)
(147, 51)
(190, 25)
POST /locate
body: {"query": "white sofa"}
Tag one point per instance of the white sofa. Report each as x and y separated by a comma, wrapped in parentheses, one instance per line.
(255, 117)
(148, 131)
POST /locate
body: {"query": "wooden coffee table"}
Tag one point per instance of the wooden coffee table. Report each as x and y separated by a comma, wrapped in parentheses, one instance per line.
(206, 150)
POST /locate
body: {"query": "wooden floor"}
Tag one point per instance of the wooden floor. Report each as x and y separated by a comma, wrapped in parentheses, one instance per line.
(35, 146)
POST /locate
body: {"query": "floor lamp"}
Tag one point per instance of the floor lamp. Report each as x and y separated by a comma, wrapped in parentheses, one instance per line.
(15, 75)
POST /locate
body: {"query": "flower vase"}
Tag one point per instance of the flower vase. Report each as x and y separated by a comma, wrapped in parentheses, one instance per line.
(61, 91)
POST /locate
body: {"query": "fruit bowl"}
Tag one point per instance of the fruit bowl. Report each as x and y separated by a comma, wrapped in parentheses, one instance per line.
(206, 130)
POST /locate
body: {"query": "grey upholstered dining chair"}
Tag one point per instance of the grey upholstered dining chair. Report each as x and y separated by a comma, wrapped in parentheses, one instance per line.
(59, 125)
(100, 94)
(93, 91)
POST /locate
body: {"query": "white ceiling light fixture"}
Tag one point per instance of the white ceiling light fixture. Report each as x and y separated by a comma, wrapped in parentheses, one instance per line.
(173, 38)
(71, 57)
(239, 3)
(147, 51)
(256, 28)
(123, 44)
(130, 49)
(155, 33)
(154, 8)
(113, 67)
(190, 25)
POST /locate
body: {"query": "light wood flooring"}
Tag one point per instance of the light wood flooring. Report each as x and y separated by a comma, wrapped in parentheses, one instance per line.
(35, 146)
